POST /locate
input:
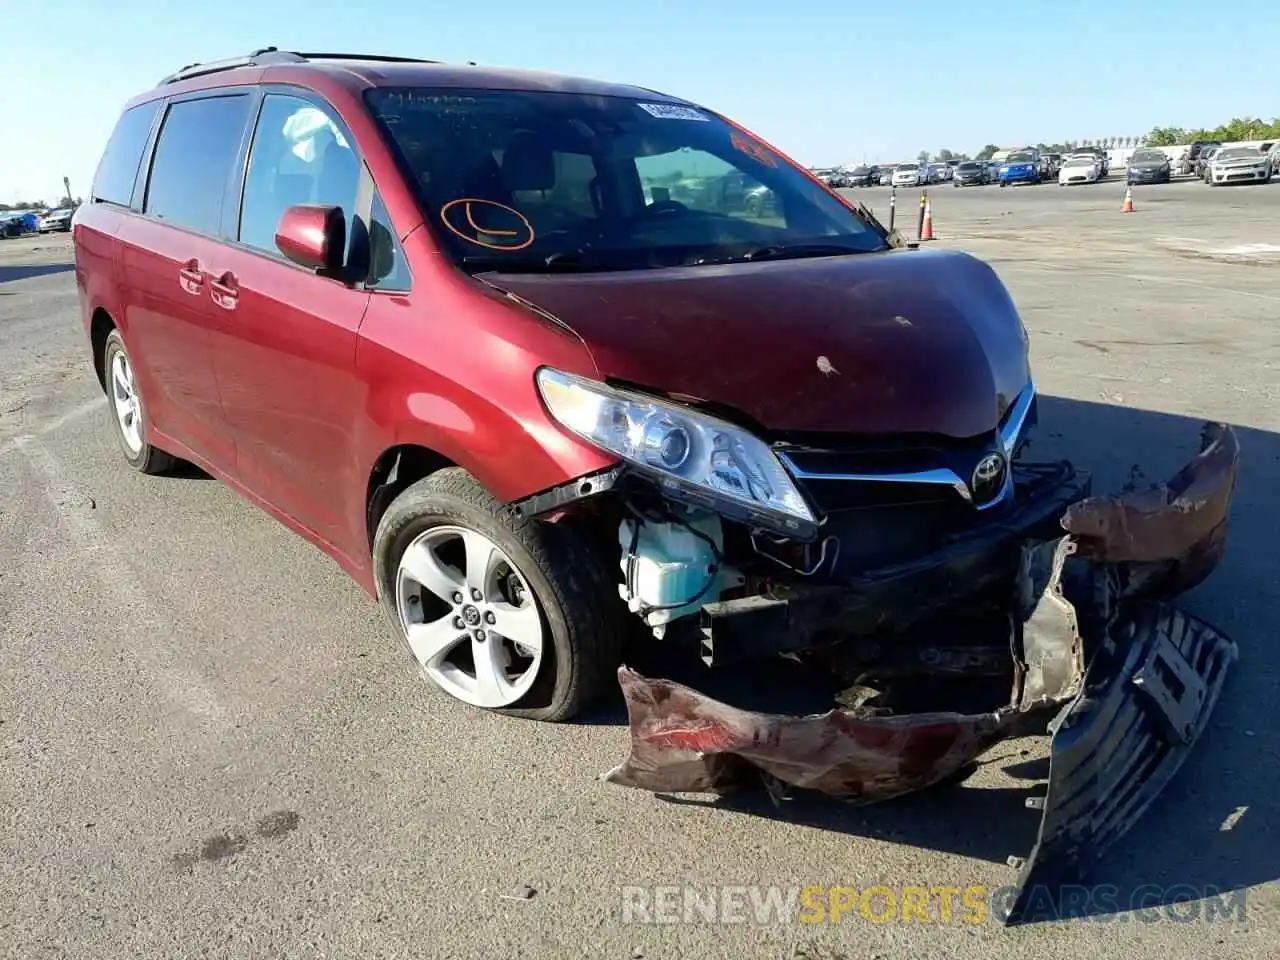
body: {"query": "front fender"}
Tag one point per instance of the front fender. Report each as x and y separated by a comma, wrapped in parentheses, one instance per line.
(456, 376)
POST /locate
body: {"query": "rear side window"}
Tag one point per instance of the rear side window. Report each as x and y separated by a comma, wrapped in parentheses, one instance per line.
(118, 168)
(195, 152)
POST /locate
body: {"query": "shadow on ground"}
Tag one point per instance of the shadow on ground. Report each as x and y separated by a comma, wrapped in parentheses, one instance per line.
(1213, 830)
(11, 272)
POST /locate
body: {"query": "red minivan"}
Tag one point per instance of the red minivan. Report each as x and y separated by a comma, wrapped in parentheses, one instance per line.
(543, 362)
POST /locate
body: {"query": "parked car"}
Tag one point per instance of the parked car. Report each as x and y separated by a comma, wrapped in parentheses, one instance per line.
(1020, 167)
(1101, 158)
(864, 176)
(886, 174)
(10, 226)
(1191, 158)
(939, 173)
(57, 221)
(1203, 160)
(1239, 165)
(1079, 168)
(1052, 164)
(418, 360)
(911, 174)
(971, 173)
(1149, 165)
(19, 223)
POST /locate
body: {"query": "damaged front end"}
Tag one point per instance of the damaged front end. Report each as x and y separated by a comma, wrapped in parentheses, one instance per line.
(1081, 627)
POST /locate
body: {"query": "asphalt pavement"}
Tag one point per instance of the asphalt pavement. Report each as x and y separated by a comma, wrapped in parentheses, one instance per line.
(210, 745)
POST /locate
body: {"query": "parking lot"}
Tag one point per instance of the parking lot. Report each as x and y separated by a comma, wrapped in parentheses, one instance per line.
(210, 743)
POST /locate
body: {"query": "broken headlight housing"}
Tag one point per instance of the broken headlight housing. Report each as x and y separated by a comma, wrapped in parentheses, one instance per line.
(694, 458)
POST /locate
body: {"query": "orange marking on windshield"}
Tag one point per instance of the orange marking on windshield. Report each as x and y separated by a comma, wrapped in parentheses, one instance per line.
(521, 237)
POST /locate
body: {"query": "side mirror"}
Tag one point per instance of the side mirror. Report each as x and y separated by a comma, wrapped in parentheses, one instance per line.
(313, 236)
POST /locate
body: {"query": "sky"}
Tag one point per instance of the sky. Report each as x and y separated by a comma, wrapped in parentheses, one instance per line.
(827, 83)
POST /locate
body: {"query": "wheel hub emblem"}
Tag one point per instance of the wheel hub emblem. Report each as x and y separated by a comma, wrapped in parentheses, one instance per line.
(471, 615)
(988, 477)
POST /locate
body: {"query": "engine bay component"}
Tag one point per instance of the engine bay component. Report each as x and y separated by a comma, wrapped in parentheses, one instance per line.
(671, 567)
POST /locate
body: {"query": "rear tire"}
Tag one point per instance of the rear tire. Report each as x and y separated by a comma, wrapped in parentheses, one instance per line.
(562, 568)
(129, 411)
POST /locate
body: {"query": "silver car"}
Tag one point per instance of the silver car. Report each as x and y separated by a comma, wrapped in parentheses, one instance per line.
(56, 221)
(1238, 165)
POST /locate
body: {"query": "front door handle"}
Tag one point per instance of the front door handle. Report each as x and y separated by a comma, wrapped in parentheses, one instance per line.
(191, 277)
(225, 291)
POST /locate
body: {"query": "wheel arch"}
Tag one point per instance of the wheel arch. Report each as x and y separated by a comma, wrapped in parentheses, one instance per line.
(396, 469)
(100, 326)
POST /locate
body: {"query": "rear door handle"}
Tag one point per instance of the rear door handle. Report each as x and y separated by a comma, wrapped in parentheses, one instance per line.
(225, 291)
(191, 277)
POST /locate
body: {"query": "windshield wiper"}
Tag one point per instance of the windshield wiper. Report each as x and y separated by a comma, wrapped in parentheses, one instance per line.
(567, 261)
(785, 251)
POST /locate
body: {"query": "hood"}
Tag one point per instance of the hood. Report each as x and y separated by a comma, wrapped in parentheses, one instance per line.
(1238, 161)
(1147, 164)
(904, 341)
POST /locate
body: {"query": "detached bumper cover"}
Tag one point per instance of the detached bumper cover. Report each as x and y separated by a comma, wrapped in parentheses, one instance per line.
(1123, 681)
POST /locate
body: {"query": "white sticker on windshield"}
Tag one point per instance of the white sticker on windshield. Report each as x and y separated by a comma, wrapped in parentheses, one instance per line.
(673, 111)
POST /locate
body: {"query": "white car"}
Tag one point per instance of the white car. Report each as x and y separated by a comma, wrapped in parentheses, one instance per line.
(1238, 165)
(1079, 168)
(910, 175)
(56, 221)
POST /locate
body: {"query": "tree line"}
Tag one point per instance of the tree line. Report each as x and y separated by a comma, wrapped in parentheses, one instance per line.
(40, 204)
(1239, 128)
(1066, 146)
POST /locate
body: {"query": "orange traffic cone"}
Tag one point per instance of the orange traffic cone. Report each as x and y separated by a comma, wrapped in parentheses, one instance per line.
(1128, 201)
(926, 230)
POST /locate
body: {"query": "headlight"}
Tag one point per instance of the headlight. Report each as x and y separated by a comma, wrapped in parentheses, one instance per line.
(691, 455)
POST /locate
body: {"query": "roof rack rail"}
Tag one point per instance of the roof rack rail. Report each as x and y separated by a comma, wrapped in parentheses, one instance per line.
(271, 55)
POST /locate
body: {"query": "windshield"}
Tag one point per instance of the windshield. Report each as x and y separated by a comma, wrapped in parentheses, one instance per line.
(968, 166)
(1148, 156)
(1237, 153)
(1020, 158)
(906, 166)
(535, 180)
(1079, 162)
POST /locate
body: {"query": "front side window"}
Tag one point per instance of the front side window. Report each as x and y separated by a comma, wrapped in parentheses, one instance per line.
(534, 180)
(299, 155)
(194, 155)
(118, 168)
(388, 269)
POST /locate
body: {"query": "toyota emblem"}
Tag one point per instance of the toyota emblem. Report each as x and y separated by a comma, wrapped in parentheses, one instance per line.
(987, 478)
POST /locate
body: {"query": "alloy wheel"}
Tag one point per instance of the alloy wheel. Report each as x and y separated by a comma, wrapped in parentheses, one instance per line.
(470, 617)
(126, 402)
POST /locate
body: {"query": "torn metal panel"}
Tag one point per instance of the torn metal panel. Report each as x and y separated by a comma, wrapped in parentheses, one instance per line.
(1178, 528)
(683, 741)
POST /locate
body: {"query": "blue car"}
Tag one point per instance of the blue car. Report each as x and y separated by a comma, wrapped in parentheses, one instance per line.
(1020, 167)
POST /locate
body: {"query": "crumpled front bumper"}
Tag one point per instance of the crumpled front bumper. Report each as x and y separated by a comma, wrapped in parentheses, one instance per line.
(1123, 682)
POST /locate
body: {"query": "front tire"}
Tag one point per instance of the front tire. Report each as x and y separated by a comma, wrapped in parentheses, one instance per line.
(504, 613)
(128, 411)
